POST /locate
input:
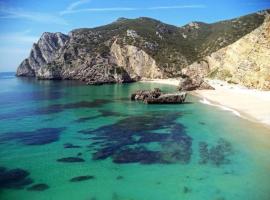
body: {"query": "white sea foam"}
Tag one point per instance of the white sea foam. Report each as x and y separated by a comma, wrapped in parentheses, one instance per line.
(205, 101)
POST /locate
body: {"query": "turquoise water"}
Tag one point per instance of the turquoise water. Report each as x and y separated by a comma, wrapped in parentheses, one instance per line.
(123, 150)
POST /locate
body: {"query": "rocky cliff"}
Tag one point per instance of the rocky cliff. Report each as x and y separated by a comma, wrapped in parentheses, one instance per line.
(42, 53)
(129, 49)
(244, 62)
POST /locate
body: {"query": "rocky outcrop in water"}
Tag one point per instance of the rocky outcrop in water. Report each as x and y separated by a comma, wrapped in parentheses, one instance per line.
(157, 97)
(129, 49)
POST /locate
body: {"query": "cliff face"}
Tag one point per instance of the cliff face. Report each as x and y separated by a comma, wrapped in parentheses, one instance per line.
(244, 62)
(42, 53)
(135, 61)
(129, 49)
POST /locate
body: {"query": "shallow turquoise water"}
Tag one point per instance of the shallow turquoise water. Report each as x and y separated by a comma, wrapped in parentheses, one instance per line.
(134, 151)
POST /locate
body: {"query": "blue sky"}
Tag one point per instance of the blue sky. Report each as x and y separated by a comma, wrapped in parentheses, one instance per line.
(23, 21)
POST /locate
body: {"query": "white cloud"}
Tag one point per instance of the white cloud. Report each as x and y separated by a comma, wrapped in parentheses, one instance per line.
(73, 10)
(73, 6)
(17, 13)
(102, 9)
(18, 37)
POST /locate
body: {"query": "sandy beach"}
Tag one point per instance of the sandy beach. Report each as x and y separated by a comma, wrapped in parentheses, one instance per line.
(247, 103)
(169, 81)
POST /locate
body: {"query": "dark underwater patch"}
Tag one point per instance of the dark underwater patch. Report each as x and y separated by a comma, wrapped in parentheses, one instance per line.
(108, 113)
(36, 137)
(136, 155)
(70, 160)
(38, 187)
(187, 190)
(119, 177)
(84, 119)
(82, 178)
(13, 97)
(103, 113)
(14, 178)
(125, 140)
(217, 154)
(55, 108)
(71, 146)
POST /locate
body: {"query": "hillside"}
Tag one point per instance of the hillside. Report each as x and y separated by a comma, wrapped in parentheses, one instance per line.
(244, 62)
(129, 49)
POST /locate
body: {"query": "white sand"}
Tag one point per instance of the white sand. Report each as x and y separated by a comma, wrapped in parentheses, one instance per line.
(247, 103)
(169, 81)
(243, 102)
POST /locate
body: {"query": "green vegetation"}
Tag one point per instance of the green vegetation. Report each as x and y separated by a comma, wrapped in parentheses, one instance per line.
(172, 47)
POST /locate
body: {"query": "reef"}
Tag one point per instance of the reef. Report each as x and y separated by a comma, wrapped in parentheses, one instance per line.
(217, 154)
(14, 178)
(36, 137)
(126, 142)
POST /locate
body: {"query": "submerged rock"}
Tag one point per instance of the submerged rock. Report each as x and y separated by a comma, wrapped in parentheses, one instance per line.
(71, 146)
(157, 97)
(119, 177)
(70, 159)
(186, 190)
(82, 178)
(38, 187)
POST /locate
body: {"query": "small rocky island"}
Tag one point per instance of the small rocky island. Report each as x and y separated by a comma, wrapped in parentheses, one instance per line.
(157, 97)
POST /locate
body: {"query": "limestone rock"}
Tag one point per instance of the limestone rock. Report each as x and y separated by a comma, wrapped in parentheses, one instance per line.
(172, 98)
(135, 61)
(42, 52)
(195, 82)
(246, 61)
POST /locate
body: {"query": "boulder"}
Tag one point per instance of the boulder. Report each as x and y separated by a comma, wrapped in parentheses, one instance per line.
(145, 94)
(167, 98)
(188, 83)
(157, 97)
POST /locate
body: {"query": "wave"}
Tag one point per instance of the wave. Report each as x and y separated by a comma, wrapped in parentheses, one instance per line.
(205, 101)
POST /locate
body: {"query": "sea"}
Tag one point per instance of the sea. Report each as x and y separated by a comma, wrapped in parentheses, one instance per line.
(65, 140)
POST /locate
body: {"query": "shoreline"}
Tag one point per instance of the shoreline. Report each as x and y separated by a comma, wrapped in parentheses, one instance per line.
(249, 104)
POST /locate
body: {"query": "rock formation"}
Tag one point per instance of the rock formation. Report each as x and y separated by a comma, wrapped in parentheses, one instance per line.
(42, 53)
(129, 49)
(157, 97)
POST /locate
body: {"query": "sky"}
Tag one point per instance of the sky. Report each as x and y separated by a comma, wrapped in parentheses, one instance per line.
(23, 21)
